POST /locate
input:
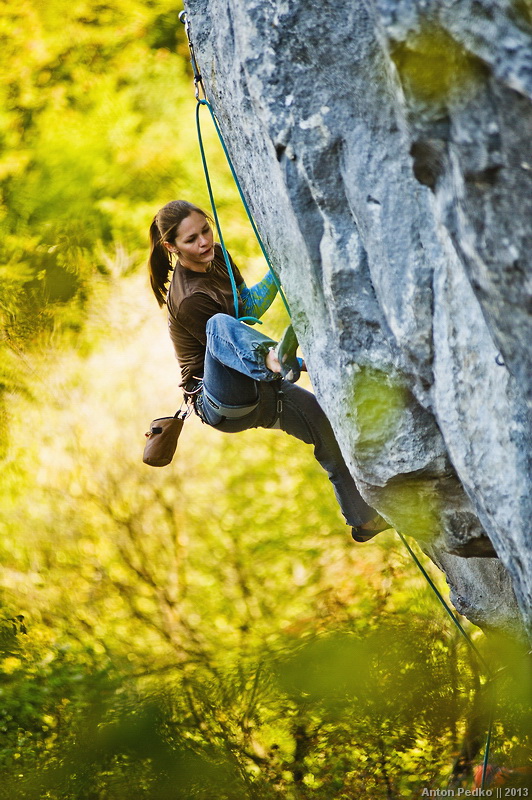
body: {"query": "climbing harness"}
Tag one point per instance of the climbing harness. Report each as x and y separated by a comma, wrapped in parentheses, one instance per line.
(202, 101)
(229, 412)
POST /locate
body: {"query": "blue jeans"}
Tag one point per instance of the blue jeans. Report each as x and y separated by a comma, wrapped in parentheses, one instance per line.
(239, 392)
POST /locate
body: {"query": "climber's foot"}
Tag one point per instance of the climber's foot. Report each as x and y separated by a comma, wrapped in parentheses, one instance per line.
(286, 353)
(365, 532)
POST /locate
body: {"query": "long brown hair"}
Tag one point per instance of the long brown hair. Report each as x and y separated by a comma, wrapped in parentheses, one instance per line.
(164, 229)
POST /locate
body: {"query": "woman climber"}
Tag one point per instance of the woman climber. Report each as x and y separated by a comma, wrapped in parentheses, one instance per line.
(236, 377)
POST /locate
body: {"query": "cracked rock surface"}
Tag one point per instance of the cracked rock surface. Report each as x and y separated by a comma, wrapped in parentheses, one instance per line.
(385, 149)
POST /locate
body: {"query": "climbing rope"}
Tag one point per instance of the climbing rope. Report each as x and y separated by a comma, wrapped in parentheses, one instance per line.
(202, 101)
(482, 661)
(440, 597)
(215, 214)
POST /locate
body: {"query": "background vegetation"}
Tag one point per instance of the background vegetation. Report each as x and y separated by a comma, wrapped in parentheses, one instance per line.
(206, 630)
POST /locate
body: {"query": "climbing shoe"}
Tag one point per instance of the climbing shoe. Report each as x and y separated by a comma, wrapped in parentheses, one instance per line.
(378, 525)
(286, 353)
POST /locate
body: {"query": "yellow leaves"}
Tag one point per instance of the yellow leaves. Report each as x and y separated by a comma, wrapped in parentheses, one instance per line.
(240, 538)
(14, 163)
(10, 665)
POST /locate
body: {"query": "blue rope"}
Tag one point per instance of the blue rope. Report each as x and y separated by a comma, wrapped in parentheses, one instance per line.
(245, 204)
(217, 221)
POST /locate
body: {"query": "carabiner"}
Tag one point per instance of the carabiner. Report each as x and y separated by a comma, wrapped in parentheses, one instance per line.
(198, 80)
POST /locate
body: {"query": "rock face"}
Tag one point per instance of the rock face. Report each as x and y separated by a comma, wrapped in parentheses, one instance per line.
(385, 150)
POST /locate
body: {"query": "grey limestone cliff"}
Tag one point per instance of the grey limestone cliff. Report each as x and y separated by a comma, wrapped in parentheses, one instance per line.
(385, 149)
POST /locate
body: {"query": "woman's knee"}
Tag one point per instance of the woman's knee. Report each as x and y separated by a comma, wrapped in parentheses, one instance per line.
(220, 323)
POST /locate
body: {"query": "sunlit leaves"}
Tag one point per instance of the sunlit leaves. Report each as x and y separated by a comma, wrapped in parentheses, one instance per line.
(208, 630)
(87, 127)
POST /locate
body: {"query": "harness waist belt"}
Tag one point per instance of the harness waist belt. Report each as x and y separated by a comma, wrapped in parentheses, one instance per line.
(229, 412)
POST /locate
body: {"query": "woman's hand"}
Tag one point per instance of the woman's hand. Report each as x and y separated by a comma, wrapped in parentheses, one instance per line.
(272, 361)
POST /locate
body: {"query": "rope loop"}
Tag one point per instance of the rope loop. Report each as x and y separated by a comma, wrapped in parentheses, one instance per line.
(198, 84)
(200, 103)
(204, 102)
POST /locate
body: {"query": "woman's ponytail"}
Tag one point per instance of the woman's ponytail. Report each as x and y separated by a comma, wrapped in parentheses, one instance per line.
(159, 264)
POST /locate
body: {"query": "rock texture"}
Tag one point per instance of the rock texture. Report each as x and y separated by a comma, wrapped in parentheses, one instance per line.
(385, 150)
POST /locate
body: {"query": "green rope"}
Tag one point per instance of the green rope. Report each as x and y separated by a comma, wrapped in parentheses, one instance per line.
(438, 594)
(204, 102)
(423, 571)
(468, 639)
(487, 748)
(217, 221)
(244, 202)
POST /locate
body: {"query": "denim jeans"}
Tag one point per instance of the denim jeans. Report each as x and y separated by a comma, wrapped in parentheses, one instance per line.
(239, 392)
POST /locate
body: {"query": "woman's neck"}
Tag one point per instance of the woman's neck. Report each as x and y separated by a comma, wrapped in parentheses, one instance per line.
(195, 267)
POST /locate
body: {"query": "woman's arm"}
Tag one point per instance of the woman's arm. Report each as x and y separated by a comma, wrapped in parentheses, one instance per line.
(257, 300)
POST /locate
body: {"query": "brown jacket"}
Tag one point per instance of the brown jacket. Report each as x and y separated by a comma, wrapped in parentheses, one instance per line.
(193, 298)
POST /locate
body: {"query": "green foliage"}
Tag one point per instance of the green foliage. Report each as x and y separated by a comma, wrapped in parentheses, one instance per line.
(92, 98)
(206, 630)
(96, 133)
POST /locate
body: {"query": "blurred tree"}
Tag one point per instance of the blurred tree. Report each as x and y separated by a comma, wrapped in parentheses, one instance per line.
(198, 606)
(208, 629)
(96, 132)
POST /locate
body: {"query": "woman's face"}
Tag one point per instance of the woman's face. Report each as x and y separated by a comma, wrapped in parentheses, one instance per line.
(194, 242)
